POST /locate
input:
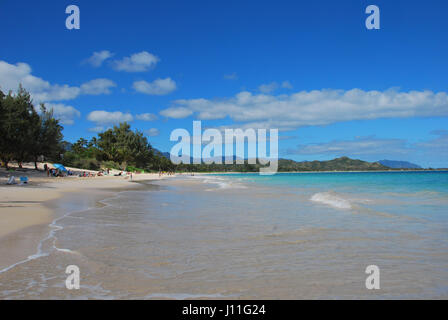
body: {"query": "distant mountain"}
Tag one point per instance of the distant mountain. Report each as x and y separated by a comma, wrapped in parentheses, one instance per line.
(338, 164)
(287, 165)
(221, 159)
(399, 164)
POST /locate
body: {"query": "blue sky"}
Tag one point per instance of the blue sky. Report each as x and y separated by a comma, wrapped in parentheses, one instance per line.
(308, 68)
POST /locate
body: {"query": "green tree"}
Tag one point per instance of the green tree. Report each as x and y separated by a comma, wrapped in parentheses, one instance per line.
(18, 123)
(47, 136)
(26, 134)
(27, 125)
(121, 145)
(8, 127)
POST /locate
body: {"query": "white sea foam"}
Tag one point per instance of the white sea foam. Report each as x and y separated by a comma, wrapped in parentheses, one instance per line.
(332, 200)
(221, 183)
(54, 227)
(65, 250)
(226, 185)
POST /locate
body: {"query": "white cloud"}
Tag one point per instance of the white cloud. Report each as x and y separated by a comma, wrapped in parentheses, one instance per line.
(152, 132)
(231, 76)
(438, 145)
(146, 117)
(138, 62)
(102, 117)
(357, 146)
(286, 85)
(157, 87)
(267, 88)
(43, 91)
(97, 86)
(176, 113)
(97, 59)
(66, 114)
(97, 129)
(12, 75)
(317, 107)
(55, 93)
(271, 87)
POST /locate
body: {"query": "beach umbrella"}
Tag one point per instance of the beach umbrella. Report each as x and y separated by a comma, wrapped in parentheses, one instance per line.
(59, 167)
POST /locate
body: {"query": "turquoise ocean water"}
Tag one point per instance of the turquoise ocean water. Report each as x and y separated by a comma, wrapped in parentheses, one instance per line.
(395, 181)
(423, 194)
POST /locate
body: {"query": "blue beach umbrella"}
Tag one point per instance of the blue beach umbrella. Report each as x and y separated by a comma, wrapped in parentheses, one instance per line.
(59, 167)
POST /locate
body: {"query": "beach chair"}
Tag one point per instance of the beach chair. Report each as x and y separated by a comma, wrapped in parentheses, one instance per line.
(11, 180)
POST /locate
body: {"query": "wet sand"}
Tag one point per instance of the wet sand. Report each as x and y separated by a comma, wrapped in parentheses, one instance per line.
(26, 211)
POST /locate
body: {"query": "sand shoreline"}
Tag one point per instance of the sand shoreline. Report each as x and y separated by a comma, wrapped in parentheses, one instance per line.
(26, 212)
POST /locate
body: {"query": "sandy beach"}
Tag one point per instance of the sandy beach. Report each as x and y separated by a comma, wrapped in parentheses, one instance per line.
(27, 210)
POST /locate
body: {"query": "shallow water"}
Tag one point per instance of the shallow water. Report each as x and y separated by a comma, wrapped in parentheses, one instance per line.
(290, 236)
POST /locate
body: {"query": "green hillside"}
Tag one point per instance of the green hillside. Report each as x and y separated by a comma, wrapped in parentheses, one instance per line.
(338, 164)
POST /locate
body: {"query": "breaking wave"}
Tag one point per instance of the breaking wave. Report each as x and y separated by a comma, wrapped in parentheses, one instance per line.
(331, 199)
(221, 183)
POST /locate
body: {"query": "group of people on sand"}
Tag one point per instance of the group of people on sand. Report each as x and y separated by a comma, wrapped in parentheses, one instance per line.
(88, 174)
(84, 174)
(167, 173)
(105, 172)
(101, 173)
(53, 172)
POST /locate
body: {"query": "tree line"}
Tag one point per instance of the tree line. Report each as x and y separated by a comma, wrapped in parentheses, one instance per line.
(30, 134)
(116, 148)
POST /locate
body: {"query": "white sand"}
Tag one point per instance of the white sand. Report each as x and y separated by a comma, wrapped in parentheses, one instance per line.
(25, 206)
